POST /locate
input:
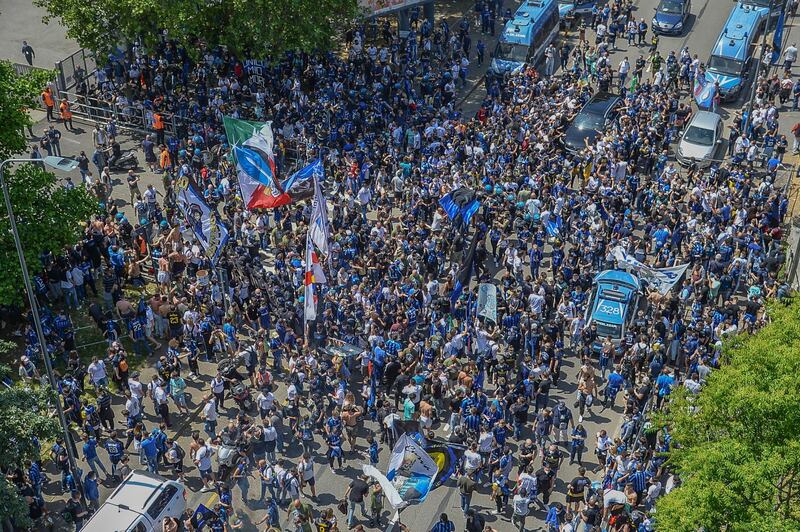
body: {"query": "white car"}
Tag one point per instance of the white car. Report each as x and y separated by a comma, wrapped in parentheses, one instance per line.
(701, 140)
(139, 504)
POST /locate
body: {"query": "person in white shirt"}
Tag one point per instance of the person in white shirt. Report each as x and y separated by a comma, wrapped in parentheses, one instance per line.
(202, 460)
(306, 469)
(623, 69)
(520, 503)
(210, 417)
(693, 384)
(97, 373)
(271, 439)
(472, 460)
(132, 405)
(265, 401)
(160, 398)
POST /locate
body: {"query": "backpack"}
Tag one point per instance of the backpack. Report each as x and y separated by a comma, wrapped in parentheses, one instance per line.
(180, 451)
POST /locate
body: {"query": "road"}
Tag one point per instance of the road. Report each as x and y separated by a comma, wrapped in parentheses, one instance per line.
(21, 21)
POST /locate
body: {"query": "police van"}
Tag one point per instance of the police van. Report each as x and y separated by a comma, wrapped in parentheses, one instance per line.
(526, 36)
(732, 56)
(614, 301)
(139, 504)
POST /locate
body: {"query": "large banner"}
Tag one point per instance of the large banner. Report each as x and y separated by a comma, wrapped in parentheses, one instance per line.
(661, 279)
(383, 7)
(252, 144)
(704, 91)
(410, 475)
(212, 235)
(487, 301)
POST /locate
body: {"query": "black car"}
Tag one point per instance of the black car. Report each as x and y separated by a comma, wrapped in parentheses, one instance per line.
(671, 16)
(591, 121)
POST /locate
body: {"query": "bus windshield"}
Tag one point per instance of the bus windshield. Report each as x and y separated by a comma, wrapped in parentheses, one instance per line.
(511, 52)
(608, 329)
(725, 65)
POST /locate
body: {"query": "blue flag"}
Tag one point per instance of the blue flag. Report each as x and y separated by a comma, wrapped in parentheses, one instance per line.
(704, 92)
(777, 37)
(304, 175)
(460, 205)
(209, 231)
(464, 275)
(553, 226)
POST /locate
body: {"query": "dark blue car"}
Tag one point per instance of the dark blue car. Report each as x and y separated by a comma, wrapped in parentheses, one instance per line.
(671, 16)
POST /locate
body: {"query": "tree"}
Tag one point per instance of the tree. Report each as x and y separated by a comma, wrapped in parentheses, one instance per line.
(17, 93)
(737, 443)
(49, 216)
(24, 419)
(261, 27)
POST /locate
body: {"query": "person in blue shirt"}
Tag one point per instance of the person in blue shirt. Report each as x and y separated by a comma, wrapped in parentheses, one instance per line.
(91, 490)
(373, 450)
(90, 454)
(272, 517)
(614, 384)
(116, 450)
(334, 442)
(576, 444)
(35, 477)
(150, 451)
(664, 384)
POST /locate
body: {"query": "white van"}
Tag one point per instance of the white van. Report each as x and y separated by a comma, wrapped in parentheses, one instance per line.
(139, 504)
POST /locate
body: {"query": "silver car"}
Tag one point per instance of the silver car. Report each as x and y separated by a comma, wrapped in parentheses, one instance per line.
(701, 140)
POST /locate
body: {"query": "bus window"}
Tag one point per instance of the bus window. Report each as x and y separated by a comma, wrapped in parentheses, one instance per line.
(511, 52)
(725, 65)
(543, 35)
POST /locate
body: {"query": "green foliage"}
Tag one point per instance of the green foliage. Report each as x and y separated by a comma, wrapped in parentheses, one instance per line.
(12, 505)
(23, 415)
(17, 93)
(48, 217)
(262, 27)
(738, 451)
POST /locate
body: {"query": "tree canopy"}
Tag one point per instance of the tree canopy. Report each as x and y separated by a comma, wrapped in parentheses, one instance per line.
(49, 216)
(261, 27)
(737, 444)
(24, 415)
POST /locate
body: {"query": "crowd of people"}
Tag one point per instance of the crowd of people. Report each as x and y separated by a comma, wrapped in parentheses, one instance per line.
(386, 122)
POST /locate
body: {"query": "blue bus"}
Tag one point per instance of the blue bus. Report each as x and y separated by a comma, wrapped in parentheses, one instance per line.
(730, 61)
(575, 7)
(525, 37)
(762, 8)
(615, 299)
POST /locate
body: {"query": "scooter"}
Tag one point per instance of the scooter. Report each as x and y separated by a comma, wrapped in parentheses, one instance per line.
(126, 161)
(241, 394)
(227, 455)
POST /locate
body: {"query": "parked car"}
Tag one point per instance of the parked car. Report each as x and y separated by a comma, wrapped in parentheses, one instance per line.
(701, 140)
(671, 16)
(139, 504)
(591, 121)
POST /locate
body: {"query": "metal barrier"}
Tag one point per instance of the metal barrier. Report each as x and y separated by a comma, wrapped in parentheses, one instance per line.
(127, 117)
(74, 68)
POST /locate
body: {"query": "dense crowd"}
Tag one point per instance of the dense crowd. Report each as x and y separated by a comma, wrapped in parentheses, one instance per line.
(386, 122)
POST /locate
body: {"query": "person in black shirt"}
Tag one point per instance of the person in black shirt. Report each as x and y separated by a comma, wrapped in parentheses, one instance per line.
(77, 509)
(520, 412)
(527, 453)
(576, 489)
(355, 495)
(546, 481)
